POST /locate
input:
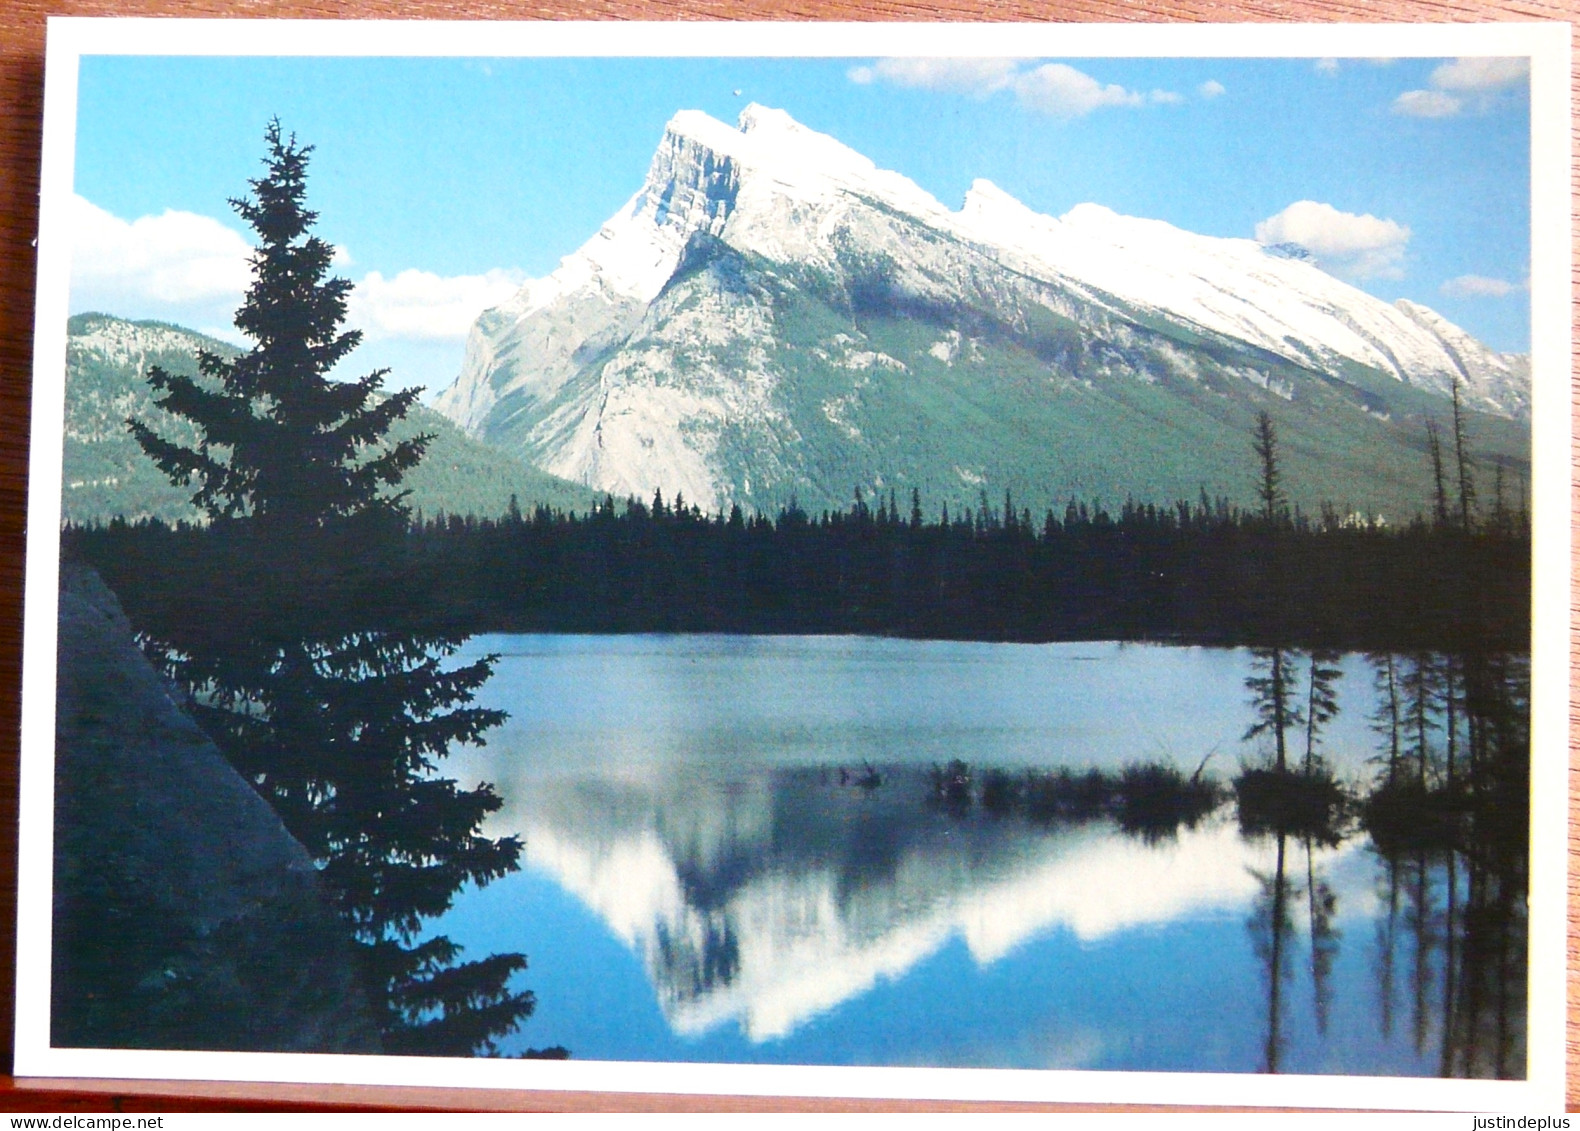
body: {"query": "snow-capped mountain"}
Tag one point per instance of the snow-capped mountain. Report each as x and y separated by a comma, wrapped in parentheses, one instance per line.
(771, 315)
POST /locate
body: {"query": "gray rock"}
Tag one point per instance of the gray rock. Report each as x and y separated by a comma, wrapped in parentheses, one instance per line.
(185, 915)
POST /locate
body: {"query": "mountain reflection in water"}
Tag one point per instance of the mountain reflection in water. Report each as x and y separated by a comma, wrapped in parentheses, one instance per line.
(773, 900)
(767, 903)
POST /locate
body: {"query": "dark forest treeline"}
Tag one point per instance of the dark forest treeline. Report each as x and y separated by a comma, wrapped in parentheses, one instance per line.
(1204, 573)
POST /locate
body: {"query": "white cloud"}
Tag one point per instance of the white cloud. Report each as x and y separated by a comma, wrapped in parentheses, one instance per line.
(1329, 65)
(1359, 246)
(1166, 97)
(1212, 88)
(194, 271)
(1056, 89)
(156, 265)
(1478, 286)
(1427, 104)
(419, 305)
(978, 77)
(1476, 81)
(1064, 92)
(1481, 74)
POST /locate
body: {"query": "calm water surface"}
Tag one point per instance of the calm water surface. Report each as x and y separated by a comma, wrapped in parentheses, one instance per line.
(734, 852)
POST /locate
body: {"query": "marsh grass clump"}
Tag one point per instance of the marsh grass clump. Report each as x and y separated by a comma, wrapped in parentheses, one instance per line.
(1308, 803)
(1154, 800)
(951, 787)
(1406, 816)
(1066, 795)
(1001, 792)
(1147, 799)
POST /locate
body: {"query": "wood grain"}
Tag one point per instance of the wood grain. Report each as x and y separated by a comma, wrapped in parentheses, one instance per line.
(21, 99)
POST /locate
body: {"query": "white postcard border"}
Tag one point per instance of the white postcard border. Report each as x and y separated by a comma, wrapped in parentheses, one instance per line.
(1548, 46)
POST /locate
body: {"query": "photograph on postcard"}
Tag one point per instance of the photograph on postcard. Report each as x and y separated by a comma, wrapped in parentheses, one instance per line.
(1016, 563)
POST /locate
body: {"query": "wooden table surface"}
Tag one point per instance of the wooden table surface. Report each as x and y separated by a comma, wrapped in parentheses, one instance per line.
(21, 94)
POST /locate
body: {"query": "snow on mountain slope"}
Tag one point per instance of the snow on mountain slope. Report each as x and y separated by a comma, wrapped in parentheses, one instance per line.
(623, 371)
(1235, 287)
(1498, 382)
(795, 182)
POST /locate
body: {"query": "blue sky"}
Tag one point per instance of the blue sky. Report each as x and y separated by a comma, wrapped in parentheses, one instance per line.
(470, 175)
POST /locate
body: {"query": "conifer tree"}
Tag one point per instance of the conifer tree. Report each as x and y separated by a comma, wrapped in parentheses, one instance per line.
(1439, 489)
(1467, 485)
(1322, 700)
(1273, 695)
(1269, 485)
(1386, 720)
(279, 439)
(341, 728)
(1418, 692)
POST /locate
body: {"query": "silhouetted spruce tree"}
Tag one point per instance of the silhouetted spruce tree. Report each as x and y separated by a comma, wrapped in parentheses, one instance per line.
(1272, 929)
(1501, 524)
(1418, 691)
(1269, 482)
(1321, 912)
(339, 726)
(1322, 701)
(1273, 695)
(1467, 486)
(1434, 445)
(1387, 719)
(279, 439)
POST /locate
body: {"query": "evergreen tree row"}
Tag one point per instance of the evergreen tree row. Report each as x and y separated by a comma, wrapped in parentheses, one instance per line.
(1202, 573)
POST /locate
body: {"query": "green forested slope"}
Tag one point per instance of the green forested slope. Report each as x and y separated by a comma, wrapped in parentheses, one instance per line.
(106, 474)
(953, 405)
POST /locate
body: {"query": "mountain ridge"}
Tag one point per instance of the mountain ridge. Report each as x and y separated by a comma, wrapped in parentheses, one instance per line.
(666, 351)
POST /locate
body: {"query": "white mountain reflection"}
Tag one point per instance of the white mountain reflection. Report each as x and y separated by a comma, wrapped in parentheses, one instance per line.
(770, 899)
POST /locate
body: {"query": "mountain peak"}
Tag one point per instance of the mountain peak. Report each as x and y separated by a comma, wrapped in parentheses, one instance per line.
(701, 128)
(624, 372)
(791, 155)
(1091, 215)
(766, 138)
(756, 116)
(985, 197)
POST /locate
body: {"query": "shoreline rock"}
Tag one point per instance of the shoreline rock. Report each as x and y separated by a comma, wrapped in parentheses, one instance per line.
(185, 915)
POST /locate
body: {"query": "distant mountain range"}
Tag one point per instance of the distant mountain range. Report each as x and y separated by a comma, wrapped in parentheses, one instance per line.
(773, 317)
(107, 474)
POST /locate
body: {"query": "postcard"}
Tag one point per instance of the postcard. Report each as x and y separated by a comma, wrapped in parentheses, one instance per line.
(943, 562)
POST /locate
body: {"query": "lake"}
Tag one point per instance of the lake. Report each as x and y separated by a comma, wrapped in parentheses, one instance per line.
(739, 849)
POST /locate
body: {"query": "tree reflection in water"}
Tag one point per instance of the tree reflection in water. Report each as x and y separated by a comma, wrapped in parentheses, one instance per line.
(1321, 910)
(343, 730)
(1453, 838)
(1447, 819)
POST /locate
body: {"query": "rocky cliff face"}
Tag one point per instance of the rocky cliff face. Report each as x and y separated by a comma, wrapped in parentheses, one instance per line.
(185, 916)
(771, 314)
